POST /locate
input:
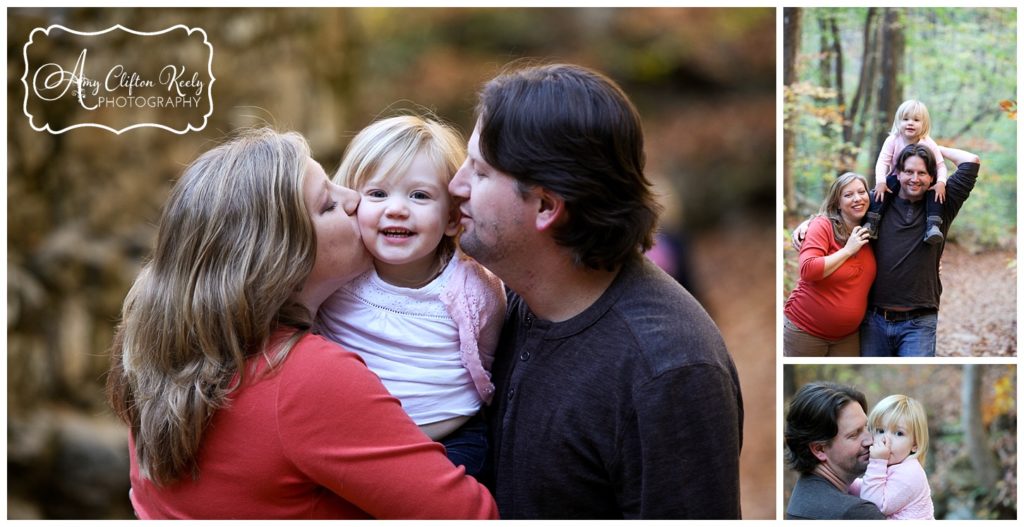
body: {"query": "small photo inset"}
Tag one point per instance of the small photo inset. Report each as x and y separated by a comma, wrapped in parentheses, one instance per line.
(899, 182)
(900, 442)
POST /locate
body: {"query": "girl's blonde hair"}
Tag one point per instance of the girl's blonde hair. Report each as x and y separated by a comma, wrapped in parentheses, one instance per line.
(896, 409)
(389, 145)
(913, 107)
(830, 207)
(234, 243)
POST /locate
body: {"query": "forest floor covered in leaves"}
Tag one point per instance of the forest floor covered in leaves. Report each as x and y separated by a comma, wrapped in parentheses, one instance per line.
(978, 314)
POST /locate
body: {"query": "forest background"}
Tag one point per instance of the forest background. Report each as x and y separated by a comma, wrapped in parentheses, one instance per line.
(972, 428)
(845, 72)
(82, 205)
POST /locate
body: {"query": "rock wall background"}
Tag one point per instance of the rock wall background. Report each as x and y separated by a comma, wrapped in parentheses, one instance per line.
(82, 205)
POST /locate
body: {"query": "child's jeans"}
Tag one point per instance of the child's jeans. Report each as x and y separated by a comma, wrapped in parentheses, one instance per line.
(467, 446)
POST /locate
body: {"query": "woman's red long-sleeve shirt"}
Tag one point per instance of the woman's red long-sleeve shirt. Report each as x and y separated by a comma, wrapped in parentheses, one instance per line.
(830, 307)
(318, 438)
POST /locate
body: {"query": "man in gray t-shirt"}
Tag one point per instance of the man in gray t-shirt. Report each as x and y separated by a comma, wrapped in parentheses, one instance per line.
(615, 396)
(903, 305)
(828, 442)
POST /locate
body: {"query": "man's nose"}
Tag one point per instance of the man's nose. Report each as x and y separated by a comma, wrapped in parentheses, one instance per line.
(458, 186)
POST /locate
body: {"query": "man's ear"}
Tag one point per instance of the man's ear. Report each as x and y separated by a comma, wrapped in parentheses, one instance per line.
(551, 209)
(818, 450)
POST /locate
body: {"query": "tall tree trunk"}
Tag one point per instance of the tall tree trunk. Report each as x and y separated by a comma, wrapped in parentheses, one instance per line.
(792, 18)
(825, 54)
(975, 435)
(891, 90)
(824, 58)
(866, 80)
(789, 385)
(846, 156)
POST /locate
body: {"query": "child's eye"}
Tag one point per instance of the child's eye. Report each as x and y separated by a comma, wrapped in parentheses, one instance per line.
(376, 193)
(419, 194)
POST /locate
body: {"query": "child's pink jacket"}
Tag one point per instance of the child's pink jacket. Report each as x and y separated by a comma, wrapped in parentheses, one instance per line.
(900, 491)
(891, 148)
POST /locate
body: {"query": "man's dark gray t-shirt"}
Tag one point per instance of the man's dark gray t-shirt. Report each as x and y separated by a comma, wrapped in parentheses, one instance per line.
(815, 498)
(631, 409)
(908, 268)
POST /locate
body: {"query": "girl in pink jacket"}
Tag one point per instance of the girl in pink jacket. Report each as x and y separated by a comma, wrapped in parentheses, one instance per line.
(895, 480)
(426, 318)
(912, 125)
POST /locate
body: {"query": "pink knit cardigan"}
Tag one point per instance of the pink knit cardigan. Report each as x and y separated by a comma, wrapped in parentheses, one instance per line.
(475, 299)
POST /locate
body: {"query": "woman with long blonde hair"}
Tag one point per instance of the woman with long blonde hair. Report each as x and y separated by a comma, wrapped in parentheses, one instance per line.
(824, 311)
(235, 409)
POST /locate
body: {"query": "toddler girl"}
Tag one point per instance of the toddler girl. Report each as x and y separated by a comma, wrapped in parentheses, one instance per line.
(910, 126)
(426, 318)
(895, 480)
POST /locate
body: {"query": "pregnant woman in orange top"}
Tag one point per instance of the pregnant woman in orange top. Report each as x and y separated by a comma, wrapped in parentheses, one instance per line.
(824, 311)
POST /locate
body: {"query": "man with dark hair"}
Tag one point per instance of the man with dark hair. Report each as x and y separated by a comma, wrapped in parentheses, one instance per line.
(827, 441)
(616, 396)
(903, 305)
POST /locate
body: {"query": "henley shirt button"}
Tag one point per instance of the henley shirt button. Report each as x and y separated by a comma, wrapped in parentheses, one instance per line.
(511, 392)
(529, 321)
(525, 356)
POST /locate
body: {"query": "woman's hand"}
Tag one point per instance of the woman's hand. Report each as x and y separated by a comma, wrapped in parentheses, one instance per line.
(858, 238)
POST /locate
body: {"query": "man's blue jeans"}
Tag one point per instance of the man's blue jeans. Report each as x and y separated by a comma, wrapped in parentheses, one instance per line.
(906, 338)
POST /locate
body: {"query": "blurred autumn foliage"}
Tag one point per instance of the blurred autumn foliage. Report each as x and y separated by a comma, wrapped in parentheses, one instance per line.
(972, 427)
(82, 205)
